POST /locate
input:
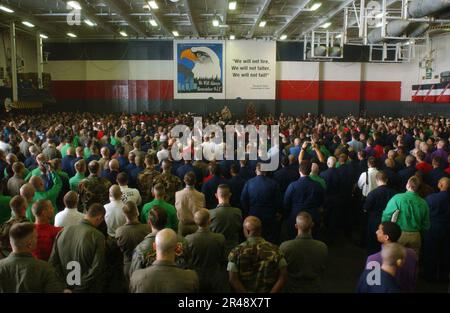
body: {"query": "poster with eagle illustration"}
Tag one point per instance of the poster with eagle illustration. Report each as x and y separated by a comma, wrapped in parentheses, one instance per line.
(199, 70)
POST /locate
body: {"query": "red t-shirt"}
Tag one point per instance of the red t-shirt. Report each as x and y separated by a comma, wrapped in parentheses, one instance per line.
(424, 167)
(448, 170)
(46, 234)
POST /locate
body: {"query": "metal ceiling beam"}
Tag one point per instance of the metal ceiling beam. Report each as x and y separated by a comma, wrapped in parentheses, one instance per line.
(22, 15)
(225, 15)
(189, 13)
(330, 15)
(293, 18)
(91, 14)
(258, 19)
(120, 10)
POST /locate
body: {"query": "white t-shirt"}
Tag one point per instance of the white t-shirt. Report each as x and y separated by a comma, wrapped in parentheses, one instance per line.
(68, 217)
(130, 194)
(114, 216)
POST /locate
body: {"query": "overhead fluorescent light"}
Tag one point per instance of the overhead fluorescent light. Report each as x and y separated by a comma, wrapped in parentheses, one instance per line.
(153, 23)
(262, 24)
(326, 25)
(6, 9)
(175, 33)
(123, 34)
(315, 6)
(74, 5)
(26, 23)
(232, 5)
(232, 37)
(89, 22)
(283, 37)
(338, 36)
(71, 35)
(43, 36)
(153, 5)
(146, 6)
(215, 22)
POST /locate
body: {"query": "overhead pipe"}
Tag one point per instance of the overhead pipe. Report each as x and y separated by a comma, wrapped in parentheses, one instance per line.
(394, 28)
(417, 29)
(421, 8)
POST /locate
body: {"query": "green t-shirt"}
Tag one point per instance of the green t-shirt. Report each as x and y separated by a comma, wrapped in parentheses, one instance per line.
(319, 180)
(414, 215)
(170, 209)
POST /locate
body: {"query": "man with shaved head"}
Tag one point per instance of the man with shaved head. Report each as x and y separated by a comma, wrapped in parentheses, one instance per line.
(437, 238)
(383, 279)
(85, 244)
(164, 276)
(207, 250)
(20, 271)
(305, 257)
(262, 197)
(226, 219)
(256, 265)
(114, 217)
(303, 195)
(187, 202)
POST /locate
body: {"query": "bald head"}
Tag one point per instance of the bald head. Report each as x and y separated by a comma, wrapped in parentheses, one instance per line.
(37, 183)
(166, 243)
(252, 226)
(201, 218)
(114, 165)
(115, 192)
(27, 191)
(393, 254)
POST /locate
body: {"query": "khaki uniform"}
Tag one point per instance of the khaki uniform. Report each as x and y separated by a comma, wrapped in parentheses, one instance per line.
(227, 221)
(86, 245)
(144, 255)
(257, 263)
(208, 259)
(164, 277)
(306, 259)
(21, 272)
(128, 237)
(187, 202)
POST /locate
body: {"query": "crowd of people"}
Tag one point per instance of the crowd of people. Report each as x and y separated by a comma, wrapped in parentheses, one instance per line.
(97, 203)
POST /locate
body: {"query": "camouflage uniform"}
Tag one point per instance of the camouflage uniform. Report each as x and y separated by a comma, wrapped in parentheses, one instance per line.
(93, 189)
(144, 255)
(171, 185)
(257, 263)
(5, 246)
(145, 182)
